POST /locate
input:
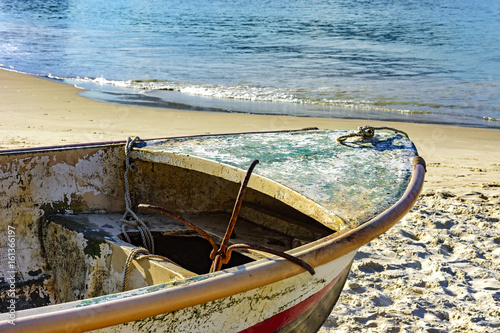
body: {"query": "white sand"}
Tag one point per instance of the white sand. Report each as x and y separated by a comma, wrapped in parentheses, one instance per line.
(438, 270)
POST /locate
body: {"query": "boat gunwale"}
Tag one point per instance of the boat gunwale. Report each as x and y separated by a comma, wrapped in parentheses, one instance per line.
(317, 253)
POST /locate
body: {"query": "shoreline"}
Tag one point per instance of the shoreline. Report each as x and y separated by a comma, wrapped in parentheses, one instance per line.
(186, 102)
(434, 271)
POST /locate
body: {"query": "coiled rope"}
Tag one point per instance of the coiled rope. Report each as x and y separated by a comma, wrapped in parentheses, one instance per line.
(367, 132)
(133, 255)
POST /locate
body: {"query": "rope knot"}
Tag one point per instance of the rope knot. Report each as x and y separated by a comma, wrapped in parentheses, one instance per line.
(368, 132)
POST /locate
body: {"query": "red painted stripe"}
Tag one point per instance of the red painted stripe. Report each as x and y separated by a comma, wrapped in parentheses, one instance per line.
(281, 319)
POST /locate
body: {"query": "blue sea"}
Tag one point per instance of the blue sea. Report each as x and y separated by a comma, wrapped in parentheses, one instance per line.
(429, 61)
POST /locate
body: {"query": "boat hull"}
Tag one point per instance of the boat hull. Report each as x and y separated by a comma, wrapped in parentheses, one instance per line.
(58, 196)
(297, 304)
(309, 315)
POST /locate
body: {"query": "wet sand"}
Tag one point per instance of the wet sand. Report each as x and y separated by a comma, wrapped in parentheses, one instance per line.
(438, 270)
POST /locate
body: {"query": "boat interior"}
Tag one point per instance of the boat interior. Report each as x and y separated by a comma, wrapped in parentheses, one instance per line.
(78, 247)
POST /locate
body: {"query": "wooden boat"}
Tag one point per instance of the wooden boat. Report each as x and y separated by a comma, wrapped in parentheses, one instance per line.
(175, 235)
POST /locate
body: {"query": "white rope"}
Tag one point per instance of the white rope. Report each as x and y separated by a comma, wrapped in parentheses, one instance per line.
(367, 132)
(145, 255)
(147, 237)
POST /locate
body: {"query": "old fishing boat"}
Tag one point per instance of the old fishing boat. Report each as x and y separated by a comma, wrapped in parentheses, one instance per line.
(190, 234)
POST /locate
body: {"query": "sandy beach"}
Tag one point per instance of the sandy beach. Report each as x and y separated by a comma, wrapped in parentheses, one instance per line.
(437, 270)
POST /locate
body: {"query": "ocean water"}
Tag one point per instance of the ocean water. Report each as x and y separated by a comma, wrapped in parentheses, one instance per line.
(414, 60)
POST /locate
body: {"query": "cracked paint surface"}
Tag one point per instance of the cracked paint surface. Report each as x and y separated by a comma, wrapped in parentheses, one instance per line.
(32, 184)
(370, 176)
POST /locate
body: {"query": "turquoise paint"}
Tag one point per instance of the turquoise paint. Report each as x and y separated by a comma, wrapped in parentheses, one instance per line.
(369, 176)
